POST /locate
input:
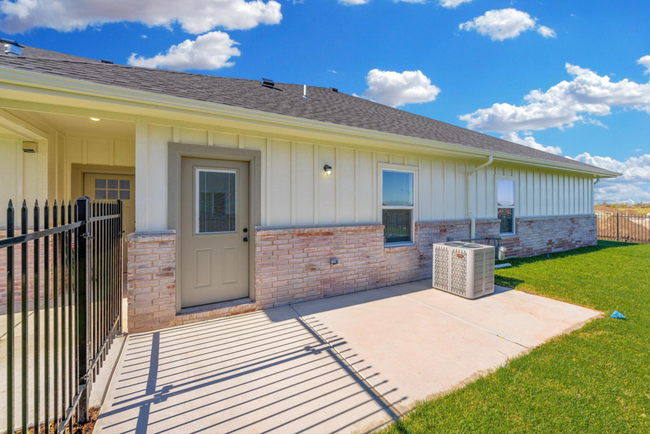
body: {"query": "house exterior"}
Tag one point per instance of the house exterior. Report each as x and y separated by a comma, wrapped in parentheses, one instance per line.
(240, 195)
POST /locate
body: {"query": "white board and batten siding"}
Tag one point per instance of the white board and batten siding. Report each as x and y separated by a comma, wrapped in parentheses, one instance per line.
(296, 190)
(23, 176)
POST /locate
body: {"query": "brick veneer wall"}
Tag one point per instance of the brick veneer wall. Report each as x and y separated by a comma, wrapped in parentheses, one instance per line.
(293, 264)
(18, 268)
(539, 235)
(151, 281)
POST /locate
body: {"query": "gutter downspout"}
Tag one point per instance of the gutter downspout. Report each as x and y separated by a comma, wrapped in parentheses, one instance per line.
(472, 232)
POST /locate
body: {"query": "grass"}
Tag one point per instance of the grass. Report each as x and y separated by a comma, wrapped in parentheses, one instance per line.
(594, 380)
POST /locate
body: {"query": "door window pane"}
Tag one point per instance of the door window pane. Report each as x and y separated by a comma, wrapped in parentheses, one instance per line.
(397, 225)
(215, 201)
(505, 192)
(100, 194)
(125, 184)
(112, 194)
(505, 215)
(125, 194)
(397, 188)
(112, 183)
(100, 183)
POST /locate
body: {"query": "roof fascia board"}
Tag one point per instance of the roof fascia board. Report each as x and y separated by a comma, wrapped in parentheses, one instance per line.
(72, 86)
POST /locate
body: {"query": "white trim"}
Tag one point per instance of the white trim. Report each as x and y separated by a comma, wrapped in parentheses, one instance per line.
(498, 178)
(380, 192)
(16, 80)
(196, 200)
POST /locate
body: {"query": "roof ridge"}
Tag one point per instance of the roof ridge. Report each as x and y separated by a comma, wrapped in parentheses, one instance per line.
(97, 62)
(113, 64)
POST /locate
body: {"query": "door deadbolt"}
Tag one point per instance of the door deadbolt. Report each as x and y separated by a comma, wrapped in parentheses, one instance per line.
(245, 239)
(245, 230)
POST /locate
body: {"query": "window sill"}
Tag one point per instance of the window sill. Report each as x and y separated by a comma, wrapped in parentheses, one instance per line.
(394, 247)
(510, 235)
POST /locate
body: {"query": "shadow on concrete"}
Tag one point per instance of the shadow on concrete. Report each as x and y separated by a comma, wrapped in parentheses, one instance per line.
(265, 372)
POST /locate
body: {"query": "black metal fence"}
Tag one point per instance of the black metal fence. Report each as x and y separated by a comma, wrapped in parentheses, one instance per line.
(63, 309)
(631, 228)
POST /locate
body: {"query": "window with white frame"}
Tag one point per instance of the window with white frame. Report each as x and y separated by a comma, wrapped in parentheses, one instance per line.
(398, 205)
(506, 205)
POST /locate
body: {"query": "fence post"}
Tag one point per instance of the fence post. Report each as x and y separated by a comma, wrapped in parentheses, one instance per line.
(10, 321)
(83, 308)
(120, 265)
(617, 228)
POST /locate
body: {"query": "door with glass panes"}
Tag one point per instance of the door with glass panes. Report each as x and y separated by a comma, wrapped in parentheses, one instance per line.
(214, 231)
(113, 187)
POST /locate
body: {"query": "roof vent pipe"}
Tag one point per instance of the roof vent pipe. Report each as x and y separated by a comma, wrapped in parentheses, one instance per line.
(472, 232)
(304, 92)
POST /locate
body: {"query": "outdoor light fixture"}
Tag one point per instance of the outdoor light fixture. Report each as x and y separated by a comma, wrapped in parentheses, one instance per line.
(328, 169)
(95, 119)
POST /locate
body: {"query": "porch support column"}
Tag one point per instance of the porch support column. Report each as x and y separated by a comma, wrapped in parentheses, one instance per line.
(141, 176)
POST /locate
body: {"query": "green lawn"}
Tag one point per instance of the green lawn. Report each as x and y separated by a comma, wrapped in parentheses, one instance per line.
(594, 380)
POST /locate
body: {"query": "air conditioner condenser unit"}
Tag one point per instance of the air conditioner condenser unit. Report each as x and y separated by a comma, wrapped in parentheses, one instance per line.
(465, 269)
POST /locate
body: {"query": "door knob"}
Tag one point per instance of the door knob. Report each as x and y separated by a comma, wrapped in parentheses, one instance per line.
(245, 239)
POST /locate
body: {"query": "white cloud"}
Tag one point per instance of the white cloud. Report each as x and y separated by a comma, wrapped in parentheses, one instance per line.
(613, 192)
(634, 169)
(546, 32)
(587, 94)
(500, 24)
(531, 143)
(398, 88)
(504, 24)
(353, 2)
(210, 51)
(194, 16)
(633, 186)
(451, 4)
(645, 61)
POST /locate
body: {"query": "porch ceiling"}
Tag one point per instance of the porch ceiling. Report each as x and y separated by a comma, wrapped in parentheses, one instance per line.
(84, 126)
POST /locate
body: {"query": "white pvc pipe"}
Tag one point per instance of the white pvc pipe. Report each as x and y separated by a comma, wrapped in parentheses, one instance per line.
(472, 231)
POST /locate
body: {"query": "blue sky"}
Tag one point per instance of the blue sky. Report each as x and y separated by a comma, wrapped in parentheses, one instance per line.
(451, 60)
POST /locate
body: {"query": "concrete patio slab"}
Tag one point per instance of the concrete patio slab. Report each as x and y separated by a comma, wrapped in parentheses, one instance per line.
(514, 315)
(343, 364)
(101, 381)
(260, 372)
(425, 342)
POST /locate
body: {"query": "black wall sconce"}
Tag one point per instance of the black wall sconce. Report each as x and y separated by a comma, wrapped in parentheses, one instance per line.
(328, 169)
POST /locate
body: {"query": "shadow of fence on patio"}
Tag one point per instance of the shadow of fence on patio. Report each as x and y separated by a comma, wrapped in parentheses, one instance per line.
(264, 372)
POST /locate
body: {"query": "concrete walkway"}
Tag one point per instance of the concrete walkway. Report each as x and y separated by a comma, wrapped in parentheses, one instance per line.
(344, 364)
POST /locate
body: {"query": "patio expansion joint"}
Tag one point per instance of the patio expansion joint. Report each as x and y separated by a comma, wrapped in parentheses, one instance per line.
(344, 359)
(458, 319)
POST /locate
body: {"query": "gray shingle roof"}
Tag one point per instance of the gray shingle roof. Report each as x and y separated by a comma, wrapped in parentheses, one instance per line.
(323, 104)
